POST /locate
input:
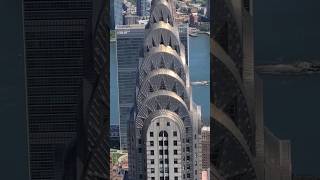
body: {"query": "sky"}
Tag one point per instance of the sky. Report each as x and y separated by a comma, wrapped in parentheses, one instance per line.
(284, 30)
(287, 31)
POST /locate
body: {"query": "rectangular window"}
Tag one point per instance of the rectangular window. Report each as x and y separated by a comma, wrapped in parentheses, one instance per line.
(166, 152)
(175, 170)
(161, 152)
(152, 170)
(175, 152)
(152, 161)
(175, 133)
(175, 143)
(166, 143)
(151, 134)
(152, 152)
(175, 161)
(246, 4)
(176, 178)
(160, 143)
(167, 170)
(151, 143)
(168, 123)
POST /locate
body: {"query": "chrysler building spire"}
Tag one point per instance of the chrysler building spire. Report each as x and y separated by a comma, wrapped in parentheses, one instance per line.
(164, 130)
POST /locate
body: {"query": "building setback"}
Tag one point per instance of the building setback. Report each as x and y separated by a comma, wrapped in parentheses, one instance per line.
(67, 85)
(164, 128)
(129, 43)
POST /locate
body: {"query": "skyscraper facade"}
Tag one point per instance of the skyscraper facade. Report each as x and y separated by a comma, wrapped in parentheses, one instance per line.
(67, 86)
(165, 123)
(116, 16)
(233, 140)
(143, 7)
(205, 147)
(129, 42)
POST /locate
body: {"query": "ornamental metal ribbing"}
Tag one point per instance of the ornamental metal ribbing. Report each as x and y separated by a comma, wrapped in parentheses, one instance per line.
(236, 138)
(164, 129)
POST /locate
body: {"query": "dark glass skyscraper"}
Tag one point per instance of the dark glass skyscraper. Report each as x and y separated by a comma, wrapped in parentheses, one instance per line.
(116, 17)
(234, 126)
(143, 7)
(67, 83)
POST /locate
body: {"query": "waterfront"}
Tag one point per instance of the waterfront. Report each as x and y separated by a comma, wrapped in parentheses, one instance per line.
(199, 71)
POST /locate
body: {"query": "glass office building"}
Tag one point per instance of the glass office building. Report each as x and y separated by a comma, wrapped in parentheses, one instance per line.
(67, 86)
(116, 17)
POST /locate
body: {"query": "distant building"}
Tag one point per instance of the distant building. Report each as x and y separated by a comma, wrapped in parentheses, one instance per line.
(194, 19)
(205, 147)
(116, 13)
(114, 137)
(143, 7)
(205, 175)
(208, 9)
(129, 43)
(128, 46)
(131, 19)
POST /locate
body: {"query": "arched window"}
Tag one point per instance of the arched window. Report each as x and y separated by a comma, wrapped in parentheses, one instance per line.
(163, 134)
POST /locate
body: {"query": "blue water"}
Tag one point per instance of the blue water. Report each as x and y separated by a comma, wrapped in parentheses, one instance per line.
(199, 71)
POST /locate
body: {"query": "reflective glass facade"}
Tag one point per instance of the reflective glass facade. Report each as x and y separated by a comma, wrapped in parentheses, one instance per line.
(116, 17)
(60, 82)
(54, 46)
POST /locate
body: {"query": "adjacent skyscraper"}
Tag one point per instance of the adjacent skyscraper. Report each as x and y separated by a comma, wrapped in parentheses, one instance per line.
(143, 7)
(129, 42)
(66, 51)
(234, 134)
(164, 130)
(116, 16)
(242, 147)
